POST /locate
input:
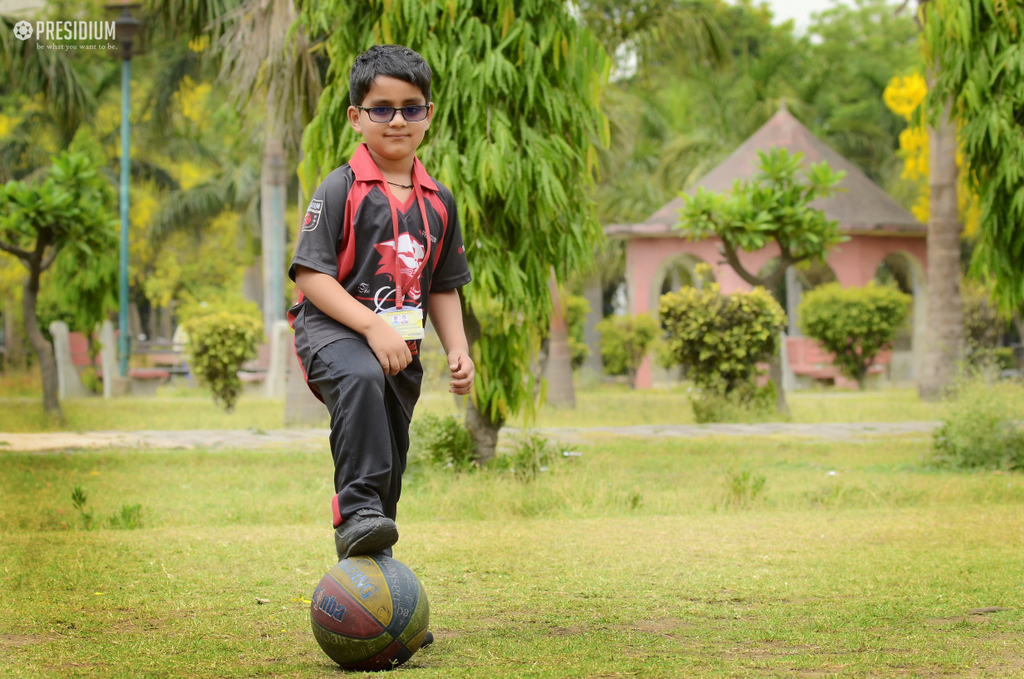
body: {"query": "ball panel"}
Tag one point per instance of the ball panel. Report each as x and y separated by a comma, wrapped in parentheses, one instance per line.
(336, 609)
(416, 629)
(405, 591)
(392, 656)
(343, 651)
(362, 577)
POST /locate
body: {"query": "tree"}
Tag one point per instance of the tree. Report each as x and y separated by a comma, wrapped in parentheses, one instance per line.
(68, 210)
(855, 324)
(774, 208)
(81, 288)
(265, 59)
(517, 86)
(943, 351)
(975, 46)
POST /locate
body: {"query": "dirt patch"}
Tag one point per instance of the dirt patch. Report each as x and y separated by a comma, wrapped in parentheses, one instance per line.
(957, 620)
(19, 640)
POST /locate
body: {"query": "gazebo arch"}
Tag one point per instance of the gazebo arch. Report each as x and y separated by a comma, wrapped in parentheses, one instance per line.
(876, 226)
(907, 272)
(675, 271)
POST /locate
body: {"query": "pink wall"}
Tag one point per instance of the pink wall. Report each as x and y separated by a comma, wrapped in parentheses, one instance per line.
(854, 263)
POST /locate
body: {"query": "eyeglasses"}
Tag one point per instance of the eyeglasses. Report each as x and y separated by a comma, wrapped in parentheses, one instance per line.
(385, 114)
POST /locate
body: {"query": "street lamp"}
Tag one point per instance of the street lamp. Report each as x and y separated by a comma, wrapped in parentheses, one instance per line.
(126, 28)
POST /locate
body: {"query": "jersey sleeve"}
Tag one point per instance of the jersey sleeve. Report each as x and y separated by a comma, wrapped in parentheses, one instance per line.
(452, 269)
(323, 227)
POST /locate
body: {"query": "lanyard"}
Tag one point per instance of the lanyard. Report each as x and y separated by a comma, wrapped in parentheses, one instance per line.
(393, 202)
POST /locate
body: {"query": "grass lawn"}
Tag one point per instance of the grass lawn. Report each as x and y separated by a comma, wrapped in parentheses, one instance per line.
(21, 409)
(642, 558)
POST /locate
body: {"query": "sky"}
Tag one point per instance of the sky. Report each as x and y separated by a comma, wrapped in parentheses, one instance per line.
(799, 10)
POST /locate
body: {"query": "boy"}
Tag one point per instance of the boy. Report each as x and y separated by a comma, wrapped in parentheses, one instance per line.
(366, 269)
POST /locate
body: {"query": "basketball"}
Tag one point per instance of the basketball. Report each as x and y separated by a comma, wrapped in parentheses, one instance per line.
(369, 613)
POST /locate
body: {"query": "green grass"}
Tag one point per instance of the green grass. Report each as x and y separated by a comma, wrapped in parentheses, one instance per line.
(641, 558)
(603, 405)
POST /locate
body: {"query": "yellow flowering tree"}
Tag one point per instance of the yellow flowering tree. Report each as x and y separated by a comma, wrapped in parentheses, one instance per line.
(904, 95)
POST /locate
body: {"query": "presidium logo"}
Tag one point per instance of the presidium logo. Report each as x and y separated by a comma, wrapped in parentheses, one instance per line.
(23, 30)
(91, 31)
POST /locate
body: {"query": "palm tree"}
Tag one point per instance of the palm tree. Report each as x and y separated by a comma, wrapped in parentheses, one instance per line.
(262, 61)
(943, 352)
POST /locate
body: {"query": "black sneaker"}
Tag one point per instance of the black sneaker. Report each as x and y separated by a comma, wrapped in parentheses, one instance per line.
(427, 640)
(362, 534)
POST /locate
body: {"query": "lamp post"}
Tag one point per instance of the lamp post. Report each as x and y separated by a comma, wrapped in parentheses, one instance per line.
(126, 27)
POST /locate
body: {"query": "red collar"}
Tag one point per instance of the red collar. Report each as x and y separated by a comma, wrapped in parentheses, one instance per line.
(367, 171)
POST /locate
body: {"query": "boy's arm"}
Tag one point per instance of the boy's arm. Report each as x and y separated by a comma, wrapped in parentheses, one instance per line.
(446, 317)
(327, 295)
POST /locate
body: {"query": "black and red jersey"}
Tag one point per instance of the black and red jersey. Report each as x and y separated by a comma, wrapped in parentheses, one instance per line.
(349, 232)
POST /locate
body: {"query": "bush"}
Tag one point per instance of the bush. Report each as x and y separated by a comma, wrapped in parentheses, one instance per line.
(218, 344)
(531, 454)
(982, 327)
(982, 429)
(855, 324)
(719, 340)
(444, 442)
(91, 380)
(625, 340)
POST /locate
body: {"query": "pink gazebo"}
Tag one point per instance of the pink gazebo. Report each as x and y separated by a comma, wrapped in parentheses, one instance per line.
(882, 236)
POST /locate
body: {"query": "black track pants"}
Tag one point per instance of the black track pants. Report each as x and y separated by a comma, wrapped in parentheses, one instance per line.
(369, 431)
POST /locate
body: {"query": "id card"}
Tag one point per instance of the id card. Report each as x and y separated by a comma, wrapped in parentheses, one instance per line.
(408, 322)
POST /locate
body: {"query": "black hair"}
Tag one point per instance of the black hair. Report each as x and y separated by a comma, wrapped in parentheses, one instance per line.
(391, 60)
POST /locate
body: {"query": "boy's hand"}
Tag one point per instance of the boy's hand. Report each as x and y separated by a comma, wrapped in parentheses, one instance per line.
(389, 347)
(463, 372)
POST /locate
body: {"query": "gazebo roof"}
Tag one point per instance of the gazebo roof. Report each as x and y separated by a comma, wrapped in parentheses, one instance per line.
(862, 208)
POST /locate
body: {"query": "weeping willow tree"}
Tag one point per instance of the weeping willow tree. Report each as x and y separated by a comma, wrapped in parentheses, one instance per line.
(516, 87)
(978, 48)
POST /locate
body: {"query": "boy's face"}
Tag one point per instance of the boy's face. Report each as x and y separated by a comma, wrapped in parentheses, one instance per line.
(396, 140)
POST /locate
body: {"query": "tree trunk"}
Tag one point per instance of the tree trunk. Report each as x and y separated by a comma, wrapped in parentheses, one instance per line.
(42, 348)
(484, 432)
(15, 357)
(943, 351)
(273, 183)
(775, 375)
(481, 427)
(558, 368)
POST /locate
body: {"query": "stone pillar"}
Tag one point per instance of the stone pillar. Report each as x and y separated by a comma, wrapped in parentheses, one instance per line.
(593, 367)
(68, 383)
(281, 344)
(108, 358)
(301, 408)
(114, 384)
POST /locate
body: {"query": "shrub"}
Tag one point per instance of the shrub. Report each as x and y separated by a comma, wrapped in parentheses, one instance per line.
(855, 324)
(982, 326)
(218, 344)
(625, 340)
(91, 380)
(982, 429)
(719, 340)
(531, 454)
(444, 442)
